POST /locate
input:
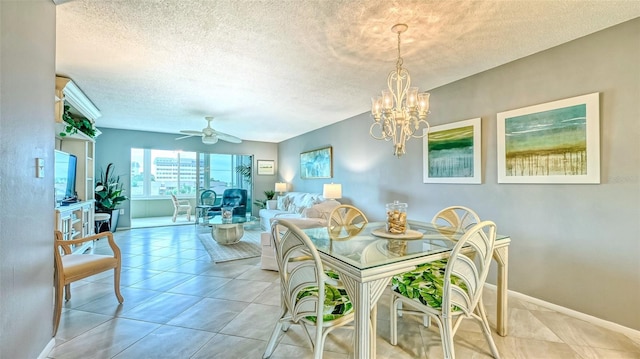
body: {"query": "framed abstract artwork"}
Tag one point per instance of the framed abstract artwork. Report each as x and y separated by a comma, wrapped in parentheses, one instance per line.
(452, 153)
(554, 142)
(316, 163)
(266, 167)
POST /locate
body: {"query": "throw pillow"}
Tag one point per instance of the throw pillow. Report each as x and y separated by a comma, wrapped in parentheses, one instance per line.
(283, 203)
(295, 209)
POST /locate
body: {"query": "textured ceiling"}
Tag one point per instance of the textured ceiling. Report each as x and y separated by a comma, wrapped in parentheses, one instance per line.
(271, 70)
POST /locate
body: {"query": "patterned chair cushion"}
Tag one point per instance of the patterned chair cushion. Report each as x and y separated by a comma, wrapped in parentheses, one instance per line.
(336, 302)
(425, 283)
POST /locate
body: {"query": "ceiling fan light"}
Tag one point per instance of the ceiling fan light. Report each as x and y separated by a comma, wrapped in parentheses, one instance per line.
(209, 140)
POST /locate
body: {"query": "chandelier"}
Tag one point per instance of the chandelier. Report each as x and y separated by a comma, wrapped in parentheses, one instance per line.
(401, 112)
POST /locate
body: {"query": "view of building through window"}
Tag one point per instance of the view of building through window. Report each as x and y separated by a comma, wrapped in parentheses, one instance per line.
(162, 172)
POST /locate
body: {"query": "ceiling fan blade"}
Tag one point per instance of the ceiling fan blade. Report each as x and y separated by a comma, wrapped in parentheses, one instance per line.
(228, 138)
(183, 137)
(191, 133)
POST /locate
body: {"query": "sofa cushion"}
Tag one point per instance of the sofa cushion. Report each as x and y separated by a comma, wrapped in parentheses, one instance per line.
(310, 209)
(321, 210)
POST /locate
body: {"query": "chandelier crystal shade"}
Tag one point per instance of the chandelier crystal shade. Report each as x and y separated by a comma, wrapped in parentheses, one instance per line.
(401, 112)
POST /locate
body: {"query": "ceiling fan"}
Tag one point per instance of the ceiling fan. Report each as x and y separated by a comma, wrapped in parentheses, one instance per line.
(209, 135)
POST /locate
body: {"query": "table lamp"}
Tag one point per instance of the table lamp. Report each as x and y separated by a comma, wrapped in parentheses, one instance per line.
(332, 191)
(281, 187)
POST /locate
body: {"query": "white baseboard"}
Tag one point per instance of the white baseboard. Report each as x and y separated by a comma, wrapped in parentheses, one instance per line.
(45, 352)
(573, 313)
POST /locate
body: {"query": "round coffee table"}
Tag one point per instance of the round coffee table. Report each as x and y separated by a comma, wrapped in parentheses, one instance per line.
(229, 231)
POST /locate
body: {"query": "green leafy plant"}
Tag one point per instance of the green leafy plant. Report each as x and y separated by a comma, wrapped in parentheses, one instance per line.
(73, 125)
(262, 203)
(245, 172)
(109, 191)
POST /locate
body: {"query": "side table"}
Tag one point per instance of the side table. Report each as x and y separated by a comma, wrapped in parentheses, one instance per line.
(229, 230)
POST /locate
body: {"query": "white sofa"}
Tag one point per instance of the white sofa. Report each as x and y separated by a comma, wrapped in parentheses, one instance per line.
(306, 210)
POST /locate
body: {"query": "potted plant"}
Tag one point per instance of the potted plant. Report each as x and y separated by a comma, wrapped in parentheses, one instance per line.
(109, 194)
(262, 203)
(73, 125)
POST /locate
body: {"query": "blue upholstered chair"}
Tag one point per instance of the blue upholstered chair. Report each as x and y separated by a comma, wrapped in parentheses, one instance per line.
(232, 197)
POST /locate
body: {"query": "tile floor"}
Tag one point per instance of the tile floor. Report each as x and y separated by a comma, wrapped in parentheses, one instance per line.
(147, 222)
(178, 304)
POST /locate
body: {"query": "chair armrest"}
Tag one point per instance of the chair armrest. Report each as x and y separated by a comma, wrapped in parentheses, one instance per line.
(272, 204)
(66, 243)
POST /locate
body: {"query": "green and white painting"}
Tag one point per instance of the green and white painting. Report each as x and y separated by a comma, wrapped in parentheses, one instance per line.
(452, 153)
(557, 142)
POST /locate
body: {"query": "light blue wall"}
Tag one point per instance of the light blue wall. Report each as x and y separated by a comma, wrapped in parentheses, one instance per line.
(573, 245)
(115, 146)
(27, 69)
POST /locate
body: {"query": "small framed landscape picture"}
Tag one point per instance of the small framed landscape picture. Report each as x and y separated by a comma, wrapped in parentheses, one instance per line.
(554, 142)
(452, 153)
(266, 167)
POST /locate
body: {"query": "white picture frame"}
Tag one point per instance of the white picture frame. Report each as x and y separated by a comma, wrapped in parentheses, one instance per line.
(553, 142)
(452, 153)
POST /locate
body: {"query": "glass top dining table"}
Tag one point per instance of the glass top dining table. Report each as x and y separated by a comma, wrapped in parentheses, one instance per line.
(366, 257)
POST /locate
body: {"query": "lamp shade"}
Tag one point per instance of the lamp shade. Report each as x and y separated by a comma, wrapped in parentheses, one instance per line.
(281, 187)
(332, 191)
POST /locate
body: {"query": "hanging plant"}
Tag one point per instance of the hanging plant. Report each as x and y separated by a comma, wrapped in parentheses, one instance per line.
(73, 125)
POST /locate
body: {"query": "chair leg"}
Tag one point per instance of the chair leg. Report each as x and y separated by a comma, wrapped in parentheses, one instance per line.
(317, 349)
(57, 310)
(273, 341)
(175, 214)
(393, 319)
(67, 292)
(446, 333)
(116, 284)
(487, 330)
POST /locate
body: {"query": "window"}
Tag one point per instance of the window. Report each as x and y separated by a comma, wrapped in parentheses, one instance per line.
(156, 173)
(161, 172)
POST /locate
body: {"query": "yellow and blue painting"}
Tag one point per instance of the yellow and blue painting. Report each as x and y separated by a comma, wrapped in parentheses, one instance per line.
(547, 143)
(451, 153)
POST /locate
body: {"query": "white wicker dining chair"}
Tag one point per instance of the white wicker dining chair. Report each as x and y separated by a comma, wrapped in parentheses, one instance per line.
(308, 296)
(345, 221)
(459, 217)
(345, 214)
(451, 292)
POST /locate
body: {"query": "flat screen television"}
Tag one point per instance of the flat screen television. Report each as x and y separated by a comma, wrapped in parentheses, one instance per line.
(65, 178)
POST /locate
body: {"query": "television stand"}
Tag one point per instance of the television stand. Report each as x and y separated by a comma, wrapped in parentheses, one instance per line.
(75, 220)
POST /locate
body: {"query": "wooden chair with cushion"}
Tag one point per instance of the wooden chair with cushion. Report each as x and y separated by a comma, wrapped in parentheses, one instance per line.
(69, 267)
(449, 291)
(180, 206)
(308, 296)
